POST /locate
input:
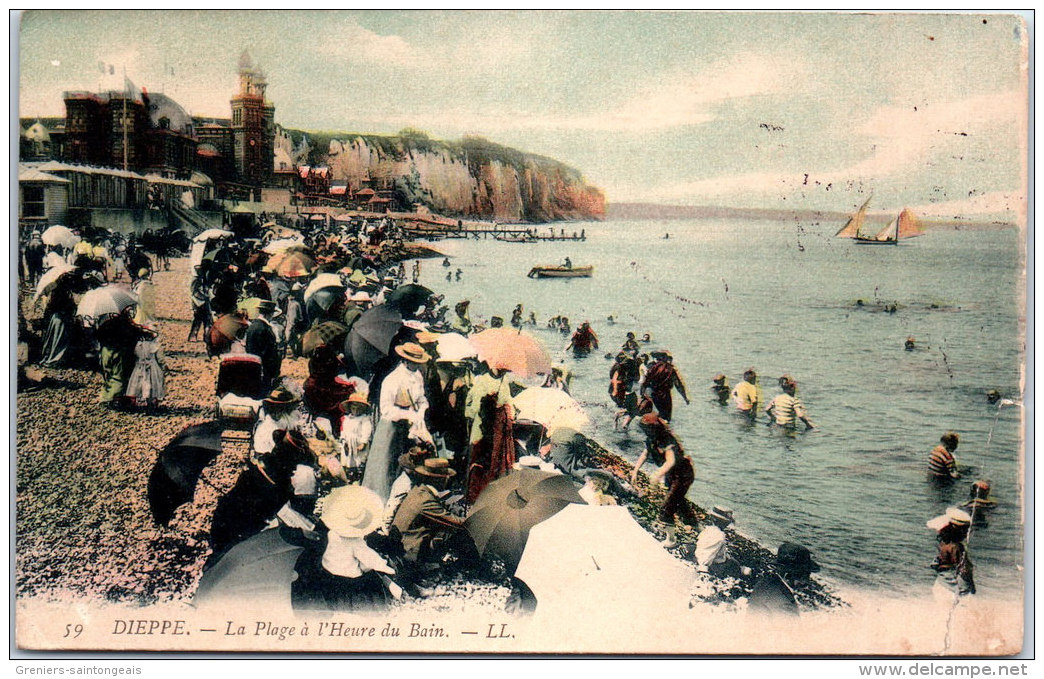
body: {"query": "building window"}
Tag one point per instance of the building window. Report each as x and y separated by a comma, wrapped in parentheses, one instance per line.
(33, 201)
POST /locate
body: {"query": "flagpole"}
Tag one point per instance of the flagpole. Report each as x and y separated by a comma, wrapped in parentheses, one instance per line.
(125, 95)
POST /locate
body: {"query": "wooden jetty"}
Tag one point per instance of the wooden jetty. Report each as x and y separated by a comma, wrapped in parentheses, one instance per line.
(507, 234)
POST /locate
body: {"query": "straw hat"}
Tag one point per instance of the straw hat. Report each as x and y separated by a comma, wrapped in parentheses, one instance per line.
(413, 352)
(280, 396)
(415, 457)
(953, 515)
(352, 511)
(427, 337)
(356, 397)
(958, 517)
(435, 467)
(719, 378)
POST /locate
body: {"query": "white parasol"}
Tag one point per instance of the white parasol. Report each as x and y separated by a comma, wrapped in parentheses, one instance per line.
(61, 236)
(321, 282)
(104, 301)
(212, 234)
(50, 278)
(611, 564)
(454, 347)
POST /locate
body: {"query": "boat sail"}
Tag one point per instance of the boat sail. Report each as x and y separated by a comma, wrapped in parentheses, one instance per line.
(902, 227)
(853, 227)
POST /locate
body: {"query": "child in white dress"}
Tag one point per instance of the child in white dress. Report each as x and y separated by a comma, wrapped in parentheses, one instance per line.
(147, 383)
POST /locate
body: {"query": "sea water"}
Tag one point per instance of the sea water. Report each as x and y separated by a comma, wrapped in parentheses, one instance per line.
(781, 297)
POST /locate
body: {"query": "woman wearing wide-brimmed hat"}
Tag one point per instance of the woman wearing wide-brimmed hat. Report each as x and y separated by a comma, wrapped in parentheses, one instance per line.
(285, 475)
(403, 405)
(326, 388)
(342, 572)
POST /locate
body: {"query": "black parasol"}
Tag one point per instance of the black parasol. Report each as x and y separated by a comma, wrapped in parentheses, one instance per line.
(408, 298)
(370, 338)
(179, 466)
(507, 508)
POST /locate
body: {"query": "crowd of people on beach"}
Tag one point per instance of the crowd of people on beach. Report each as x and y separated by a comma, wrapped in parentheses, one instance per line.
(373, 464)
(99, 311)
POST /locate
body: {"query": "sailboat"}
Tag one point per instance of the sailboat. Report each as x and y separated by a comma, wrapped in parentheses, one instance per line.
(904, 226)
(853, 228)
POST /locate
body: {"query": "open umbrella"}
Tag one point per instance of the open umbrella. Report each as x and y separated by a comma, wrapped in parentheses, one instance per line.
(321, 301)
(59, 235)
(323, 281)
(273, 230)
(281, 245)
(408, 298)
(513, 350)
(106, 300)
(50, 279)
(229, 326)
(276, 258)
(258, 570)
(212, 234)
(509, 507)
(587, 559)
(178, 467)
(371, 336)
(250, 306)
(294, 265)
(327, 332)
(454, 347)
(358, 279)
(552, 408)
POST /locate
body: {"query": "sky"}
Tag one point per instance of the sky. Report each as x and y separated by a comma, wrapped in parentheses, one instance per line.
(766, 110)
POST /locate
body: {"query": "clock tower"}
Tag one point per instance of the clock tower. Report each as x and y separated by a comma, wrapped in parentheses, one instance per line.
(253, 126)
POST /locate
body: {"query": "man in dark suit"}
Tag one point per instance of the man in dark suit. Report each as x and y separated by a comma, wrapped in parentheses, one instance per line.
(425, 522)
(261, 341)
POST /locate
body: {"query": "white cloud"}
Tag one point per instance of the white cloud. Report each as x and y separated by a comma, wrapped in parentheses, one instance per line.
(352, 41)
(903, 140)
(904, 137)
(675, 101)
(1010, 204)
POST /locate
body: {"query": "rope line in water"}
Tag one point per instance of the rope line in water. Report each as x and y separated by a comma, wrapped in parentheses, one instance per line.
(971, 530)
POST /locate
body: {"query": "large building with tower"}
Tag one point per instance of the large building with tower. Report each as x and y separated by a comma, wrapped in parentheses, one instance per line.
(150, 133)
